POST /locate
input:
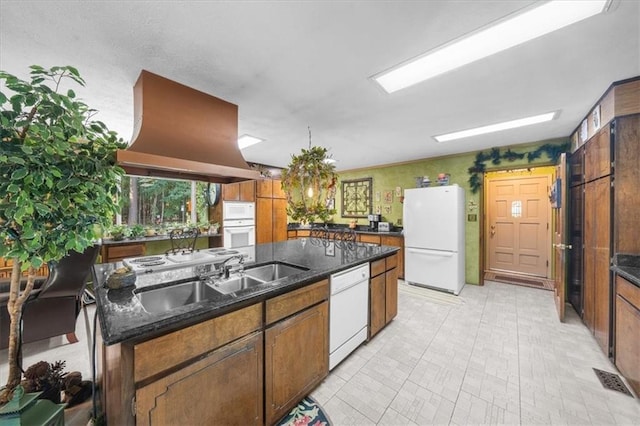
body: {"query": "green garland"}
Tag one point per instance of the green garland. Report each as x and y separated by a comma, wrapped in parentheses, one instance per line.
(553, 151)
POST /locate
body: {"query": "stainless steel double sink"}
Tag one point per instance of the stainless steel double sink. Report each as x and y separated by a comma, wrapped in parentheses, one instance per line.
(173, 296)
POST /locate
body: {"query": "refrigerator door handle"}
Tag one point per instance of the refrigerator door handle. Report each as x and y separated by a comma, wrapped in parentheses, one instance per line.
(431, 252)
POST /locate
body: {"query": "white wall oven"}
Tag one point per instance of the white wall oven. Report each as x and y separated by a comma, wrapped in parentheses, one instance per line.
(239, 227)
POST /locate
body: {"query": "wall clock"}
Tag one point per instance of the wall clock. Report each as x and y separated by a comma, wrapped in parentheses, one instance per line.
(213, 194)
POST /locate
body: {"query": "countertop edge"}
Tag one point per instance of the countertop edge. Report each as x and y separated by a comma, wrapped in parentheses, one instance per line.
(203, 311)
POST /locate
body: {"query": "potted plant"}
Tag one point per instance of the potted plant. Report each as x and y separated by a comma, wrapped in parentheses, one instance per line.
(59, 179)
(136, 231)
(119, 232)
(204, 227)
(215, 227)
(310, 184)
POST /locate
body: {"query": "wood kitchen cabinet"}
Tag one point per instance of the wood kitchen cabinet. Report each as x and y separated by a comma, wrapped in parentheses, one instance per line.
(296, 347)
(383, 293)
(117, 252)
(393, 241)
(223, 388)
(239, 191)
(598, 155)
(271, 212)
(627, 346)
(155, 381)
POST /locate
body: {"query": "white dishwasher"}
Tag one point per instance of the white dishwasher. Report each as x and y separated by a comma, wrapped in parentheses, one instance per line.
(349, 312)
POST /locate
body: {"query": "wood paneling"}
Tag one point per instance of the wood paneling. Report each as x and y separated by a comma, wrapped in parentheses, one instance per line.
(225, 388)
(289, 303)
(117, 383)
(627, 352)
(296, 359)
(627, 184)
(162, 353)
(627, 98)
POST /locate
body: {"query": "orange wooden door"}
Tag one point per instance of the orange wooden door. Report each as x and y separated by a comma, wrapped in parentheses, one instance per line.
(518, 227)
(560, 239)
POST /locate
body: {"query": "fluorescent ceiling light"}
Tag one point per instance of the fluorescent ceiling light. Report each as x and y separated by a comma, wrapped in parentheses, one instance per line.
(521, 122)
(501, 35)
(246, 140)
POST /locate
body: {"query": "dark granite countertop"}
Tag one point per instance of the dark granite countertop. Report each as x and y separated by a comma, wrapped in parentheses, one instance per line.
(111, 241)
(122, 317)
(628, 267)
(360, 229)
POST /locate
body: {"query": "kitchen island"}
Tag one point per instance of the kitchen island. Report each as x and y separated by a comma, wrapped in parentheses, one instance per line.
(249, 355)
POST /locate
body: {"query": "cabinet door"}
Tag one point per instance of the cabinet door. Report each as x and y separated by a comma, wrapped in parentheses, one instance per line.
(264, 188)
(225, 388)
(396, 242)
(391, 290)
(368, 238)
(627, 353)
(598, 155)
(279, 219)
(377, 296)
(277, 189)
(248, 190)
(602, 273)
(231, 192)
(296, 359)
(264, 220)
(589, 255)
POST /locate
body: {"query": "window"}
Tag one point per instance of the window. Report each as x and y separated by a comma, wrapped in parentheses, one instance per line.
(154, 201)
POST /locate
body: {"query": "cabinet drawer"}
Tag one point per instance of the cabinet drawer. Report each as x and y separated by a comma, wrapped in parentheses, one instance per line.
(377, 267)
(129, 250)
(391, 262)
(157, 355)
(629, 291)
(288, 304)
(372, 239)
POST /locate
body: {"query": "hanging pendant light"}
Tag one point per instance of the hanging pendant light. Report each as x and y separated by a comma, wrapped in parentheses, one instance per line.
(309, 182)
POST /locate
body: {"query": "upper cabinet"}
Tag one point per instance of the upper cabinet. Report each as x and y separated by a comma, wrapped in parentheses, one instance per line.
(239, 191)
(597, 155)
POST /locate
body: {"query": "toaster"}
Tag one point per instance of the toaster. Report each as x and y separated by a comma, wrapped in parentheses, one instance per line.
(384, 227)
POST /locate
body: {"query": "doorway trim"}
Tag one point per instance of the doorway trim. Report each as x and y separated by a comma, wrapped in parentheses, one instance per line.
(545, 169)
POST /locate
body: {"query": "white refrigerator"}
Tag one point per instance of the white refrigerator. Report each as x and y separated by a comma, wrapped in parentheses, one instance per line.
(434, 228)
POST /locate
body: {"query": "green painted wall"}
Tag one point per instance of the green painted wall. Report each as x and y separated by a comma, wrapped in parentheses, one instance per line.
(404, 175)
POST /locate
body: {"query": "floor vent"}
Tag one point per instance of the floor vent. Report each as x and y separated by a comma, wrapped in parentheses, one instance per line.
(516, 279)
(612, 381)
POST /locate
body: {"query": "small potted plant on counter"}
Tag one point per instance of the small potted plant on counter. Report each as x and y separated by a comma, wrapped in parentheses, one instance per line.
(137, 231)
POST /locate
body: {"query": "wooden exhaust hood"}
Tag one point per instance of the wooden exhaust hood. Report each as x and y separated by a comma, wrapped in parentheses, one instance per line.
(180, 132)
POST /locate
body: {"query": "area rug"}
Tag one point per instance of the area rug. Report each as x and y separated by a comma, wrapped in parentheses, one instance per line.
(307, 413)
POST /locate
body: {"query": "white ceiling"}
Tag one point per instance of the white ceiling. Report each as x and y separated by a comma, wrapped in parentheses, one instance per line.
(293, 64)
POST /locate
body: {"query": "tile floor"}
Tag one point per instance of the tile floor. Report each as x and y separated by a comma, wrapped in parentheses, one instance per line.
(493, 355)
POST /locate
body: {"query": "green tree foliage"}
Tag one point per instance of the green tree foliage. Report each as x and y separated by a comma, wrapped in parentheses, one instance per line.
(310, 182)
(59, 179)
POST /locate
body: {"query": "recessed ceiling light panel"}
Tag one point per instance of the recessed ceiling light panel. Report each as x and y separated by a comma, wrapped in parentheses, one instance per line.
(247, 140)
(510, 31)
(521, 122)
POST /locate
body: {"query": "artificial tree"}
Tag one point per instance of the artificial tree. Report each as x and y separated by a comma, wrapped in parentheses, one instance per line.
(59, 180)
